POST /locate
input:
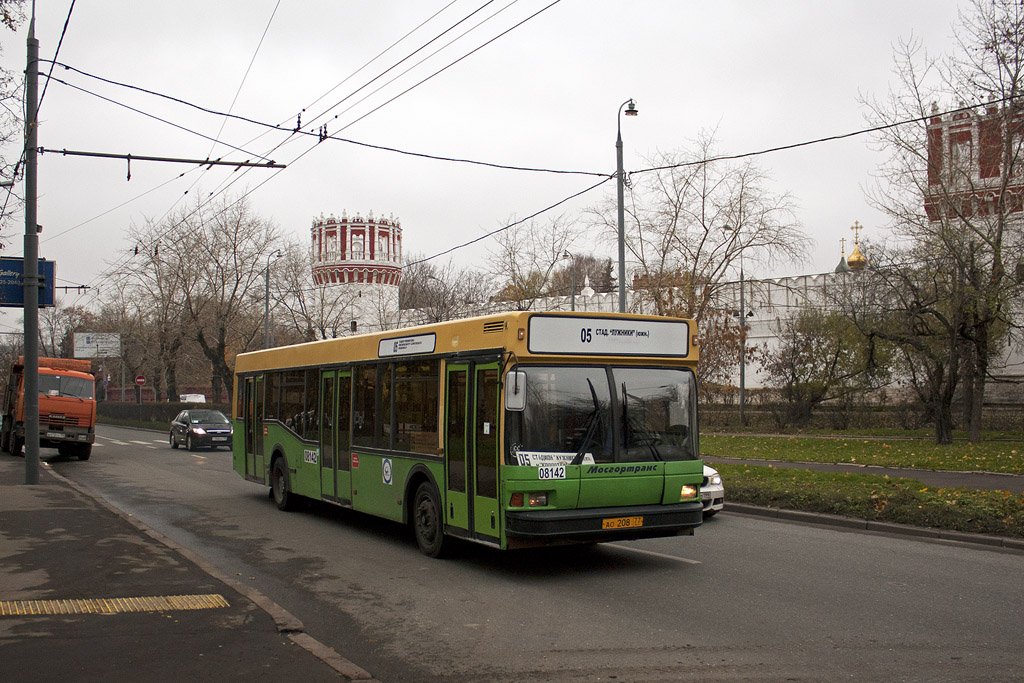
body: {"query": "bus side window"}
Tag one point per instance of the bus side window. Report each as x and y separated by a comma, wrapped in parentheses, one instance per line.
(364, 378)
(311, 429)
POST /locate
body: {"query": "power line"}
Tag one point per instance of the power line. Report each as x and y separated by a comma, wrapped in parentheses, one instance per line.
(156, 118)
(307, 151)
(56, 52)
(439, 71)
(292, 131)
(513, 224)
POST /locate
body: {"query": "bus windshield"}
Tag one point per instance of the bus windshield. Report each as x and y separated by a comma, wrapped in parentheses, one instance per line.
(577, 415)
(71, 387)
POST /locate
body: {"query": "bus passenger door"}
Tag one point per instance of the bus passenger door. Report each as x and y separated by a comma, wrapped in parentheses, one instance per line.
(456, 445)
(257, 422)
(335, 436)
(253, 428)
(328, 437)
(486, 515)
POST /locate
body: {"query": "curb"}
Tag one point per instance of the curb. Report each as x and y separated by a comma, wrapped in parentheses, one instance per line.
(287, 623)
(820, 518)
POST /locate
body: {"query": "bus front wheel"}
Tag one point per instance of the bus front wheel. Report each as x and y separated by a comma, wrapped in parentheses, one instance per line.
(426, 520)
(279, 486)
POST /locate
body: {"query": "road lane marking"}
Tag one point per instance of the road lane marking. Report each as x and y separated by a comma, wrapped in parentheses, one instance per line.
(654, 554)
(142, 443)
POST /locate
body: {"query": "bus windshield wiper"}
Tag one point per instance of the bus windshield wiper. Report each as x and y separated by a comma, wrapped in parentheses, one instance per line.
(592, 421)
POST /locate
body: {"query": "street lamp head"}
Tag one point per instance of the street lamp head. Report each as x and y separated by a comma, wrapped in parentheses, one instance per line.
(631, 109)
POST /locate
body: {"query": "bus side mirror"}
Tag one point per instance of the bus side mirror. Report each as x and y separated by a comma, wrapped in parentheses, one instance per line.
(515, 390)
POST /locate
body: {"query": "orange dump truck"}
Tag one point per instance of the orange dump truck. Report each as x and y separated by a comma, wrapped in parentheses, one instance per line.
(67, 407)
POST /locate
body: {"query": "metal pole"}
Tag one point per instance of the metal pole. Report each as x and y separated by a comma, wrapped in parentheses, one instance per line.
(266, 308)
(622, 219)
(266, 299)
(31, 276)
(620, 178)
(743, 346)
(572, 281)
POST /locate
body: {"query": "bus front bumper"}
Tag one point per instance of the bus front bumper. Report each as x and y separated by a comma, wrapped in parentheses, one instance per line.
(592, 525)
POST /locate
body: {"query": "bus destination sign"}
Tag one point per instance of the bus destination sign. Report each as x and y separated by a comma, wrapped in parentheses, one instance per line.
(609, 336)
(407, 346)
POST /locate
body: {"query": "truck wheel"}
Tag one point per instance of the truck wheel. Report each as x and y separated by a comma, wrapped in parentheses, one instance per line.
(84, 451)
(65, 449)
(426, 520)
(280, 487)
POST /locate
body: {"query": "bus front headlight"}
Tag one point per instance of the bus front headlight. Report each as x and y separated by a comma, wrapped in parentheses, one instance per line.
(688, 491)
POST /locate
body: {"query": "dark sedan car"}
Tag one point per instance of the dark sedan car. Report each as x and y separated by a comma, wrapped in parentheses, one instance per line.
(200, 428)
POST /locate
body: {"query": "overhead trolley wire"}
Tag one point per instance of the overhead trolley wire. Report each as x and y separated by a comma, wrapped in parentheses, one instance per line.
(267, 179)
(311, 134)
(439, 71)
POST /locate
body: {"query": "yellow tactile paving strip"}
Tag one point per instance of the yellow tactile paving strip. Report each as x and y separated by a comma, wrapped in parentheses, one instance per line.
(165, 603)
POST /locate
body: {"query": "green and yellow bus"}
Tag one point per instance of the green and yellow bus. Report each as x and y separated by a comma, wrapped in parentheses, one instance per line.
(513, 430)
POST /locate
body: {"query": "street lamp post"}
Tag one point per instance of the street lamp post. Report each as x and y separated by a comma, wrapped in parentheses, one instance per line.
(572, 280)
(266, 299)
(743, 332)
(630, 111)
(743, 345)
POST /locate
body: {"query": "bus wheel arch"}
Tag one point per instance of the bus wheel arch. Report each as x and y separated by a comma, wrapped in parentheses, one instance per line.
(425, 512)
(280, 483)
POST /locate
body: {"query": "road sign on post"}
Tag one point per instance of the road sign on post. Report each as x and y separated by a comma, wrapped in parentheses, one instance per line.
(12, 282)
(140, 380)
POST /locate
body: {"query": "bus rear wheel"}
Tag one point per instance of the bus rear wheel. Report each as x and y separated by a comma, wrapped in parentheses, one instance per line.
(426, 520)
(279, 486)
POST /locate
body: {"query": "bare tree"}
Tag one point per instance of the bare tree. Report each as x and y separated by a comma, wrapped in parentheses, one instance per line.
(434, 293)
(917, 307)
(526, 256)
(310, 311)
(57, 325)
(11, 112)
(156, 279)
(587, 266)
(689, 220)
(952, 183)
(218, 251)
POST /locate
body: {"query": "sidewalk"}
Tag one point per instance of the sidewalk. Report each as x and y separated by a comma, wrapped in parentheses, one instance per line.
(116, 613)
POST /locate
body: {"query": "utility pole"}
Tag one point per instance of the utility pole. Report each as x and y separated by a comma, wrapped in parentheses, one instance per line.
(31, 271)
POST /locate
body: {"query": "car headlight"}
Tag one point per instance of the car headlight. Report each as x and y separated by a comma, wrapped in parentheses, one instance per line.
(715, 479)
(199, 430)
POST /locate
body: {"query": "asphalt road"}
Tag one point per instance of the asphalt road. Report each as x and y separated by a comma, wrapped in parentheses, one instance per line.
(746, 599)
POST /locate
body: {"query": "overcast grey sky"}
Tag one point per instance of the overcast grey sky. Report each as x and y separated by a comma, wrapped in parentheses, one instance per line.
(762, 74)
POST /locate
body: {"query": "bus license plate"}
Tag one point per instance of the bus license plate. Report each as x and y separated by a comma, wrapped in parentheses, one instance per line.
(621, 522)
(551, 472)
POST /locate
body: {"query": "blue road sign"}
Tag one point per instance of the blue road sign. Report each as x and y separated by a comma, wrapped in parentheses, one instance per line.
(12, 284)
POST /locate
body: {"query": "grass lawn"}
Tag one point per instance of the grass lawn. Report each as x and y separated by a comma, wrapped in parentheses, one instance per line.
(875, 497)
(987, 456)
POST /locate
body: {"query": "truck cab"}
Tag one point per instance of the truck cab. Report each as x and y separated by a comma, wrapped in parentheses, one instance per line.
(67, 408)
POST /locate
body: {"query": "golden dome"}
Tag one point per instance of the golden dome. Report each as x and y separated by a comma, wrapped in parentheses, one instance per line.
(857, 260)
